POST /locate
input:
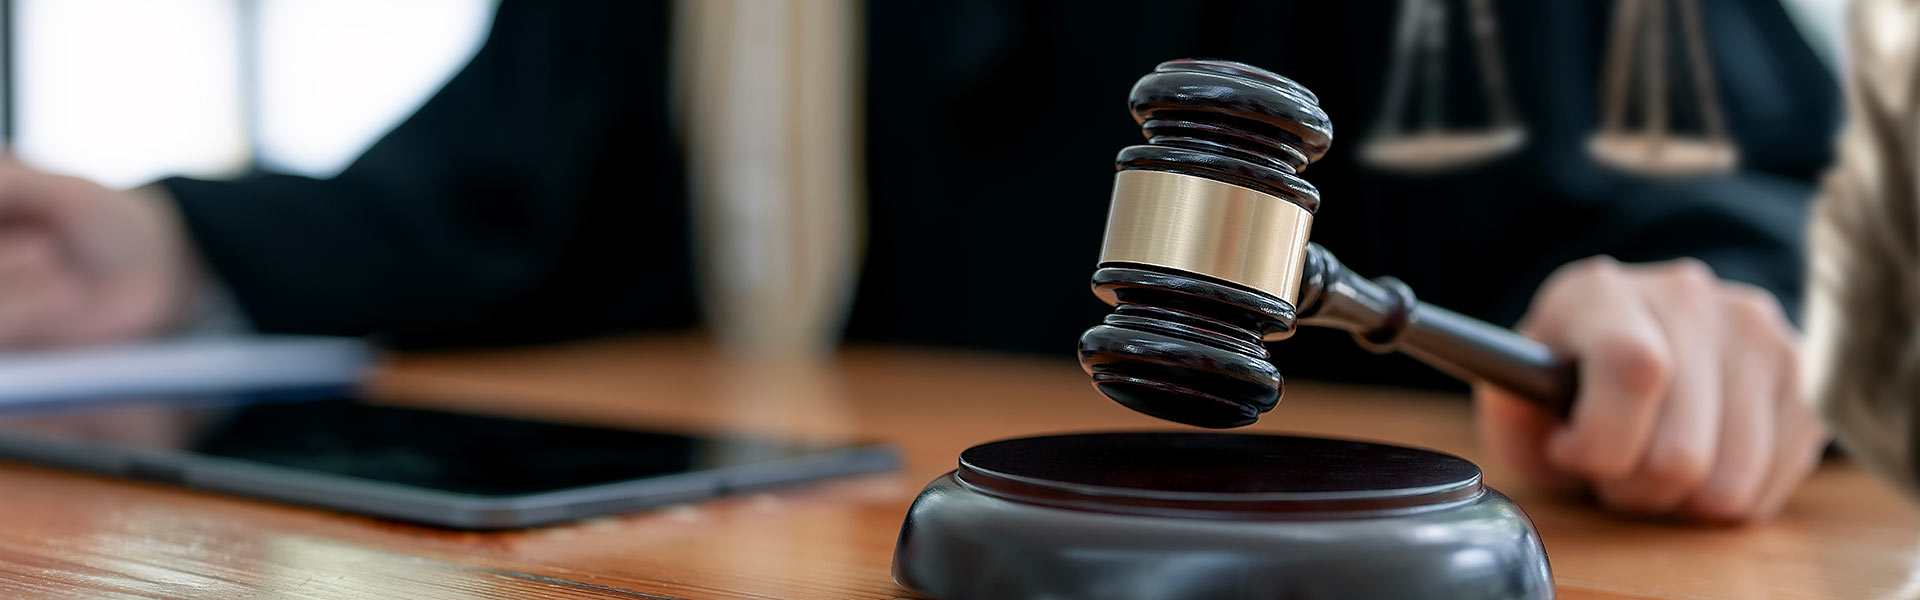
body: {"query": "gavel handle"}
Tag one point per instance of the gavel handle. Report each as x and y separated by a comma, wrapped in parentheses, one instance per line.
(1384, 316)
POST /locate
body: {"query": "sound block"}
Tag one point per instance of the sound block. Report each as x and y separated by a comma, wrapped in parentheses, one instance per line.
(1166, 516)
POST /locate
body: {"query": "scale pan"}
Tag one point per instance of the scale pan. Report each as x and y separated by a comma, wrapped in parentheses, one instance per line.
(1440, 151)
(1663, 156)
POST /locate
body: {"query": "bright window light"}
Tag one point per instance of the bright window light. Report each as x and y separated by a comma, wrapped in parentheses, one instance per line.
(337, 74)
(127, 91)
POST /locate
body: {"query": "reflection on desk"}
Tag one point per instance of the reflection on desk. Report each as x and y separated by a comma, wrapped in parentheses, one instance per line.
(70, 535)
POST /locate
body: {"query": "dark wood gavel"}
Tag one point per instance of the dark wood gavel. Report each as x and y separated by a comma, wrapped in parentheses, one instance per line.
(1207, 258)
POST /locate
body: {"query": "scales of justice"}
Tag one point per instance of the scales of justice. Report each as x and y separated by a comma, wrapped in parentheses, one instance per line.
(1637, 132)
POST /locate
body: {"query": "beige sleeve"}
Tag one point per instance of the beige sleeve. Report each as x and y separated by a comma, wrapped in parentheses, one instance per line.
(1862, 345)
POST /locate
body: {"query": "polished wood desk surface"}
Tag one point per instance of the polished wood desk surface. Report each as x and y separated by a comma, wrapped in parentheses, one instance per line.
(77, 536)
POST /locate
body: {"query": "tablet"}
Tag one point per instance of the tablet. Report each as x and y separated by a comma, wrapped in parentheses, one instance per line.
(325, 447)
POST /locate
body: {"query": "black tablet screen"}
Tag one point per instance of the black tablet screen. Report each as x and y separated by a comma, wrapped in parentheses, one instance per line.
(448, 451)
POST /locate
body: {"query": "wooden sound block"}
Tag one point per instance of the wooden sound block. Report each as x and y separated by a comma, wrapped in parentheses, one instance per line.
(1124, 516)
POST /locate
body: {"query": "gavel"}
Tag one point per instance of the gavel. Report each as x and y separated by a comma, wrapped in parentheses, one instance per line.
(1207, 258)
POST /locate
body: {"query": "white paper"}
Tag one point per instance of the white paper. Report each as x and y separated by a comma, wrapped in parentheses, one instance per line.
(183, 367)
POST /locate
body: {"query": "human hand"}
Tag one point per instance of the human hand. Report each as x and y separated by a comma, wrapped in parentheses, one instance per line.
(83, 264)
(1688, 404)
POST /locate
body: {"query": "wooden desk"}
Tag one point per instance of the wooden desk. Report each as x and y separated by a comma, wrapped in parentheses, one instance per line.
(75, 536)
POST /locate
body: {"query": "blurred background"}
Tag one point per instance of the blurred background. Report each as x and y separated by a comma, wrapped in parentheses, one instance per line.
(958, 154)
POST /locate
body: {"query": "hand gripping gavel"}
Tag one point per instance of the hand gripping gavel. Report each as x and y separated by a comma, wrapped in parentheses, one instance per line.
(1206, 258)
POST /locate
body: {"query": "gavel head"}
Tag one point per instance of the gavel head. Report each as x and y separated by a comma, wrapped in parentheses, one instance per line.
(1206, 242)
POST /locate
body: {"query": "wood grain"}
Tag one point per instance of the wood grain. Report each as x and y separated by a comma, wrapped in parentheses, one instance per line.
(77, 536)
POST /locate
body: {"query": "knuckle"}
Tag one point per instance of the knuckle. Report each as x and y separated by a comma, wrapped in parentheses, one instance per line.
(1598, 263)
(1690, 269)
(1754, 307)
(1601, 267)
(1640, 366)
(1690, 277)
(1756, 319)
(1748, 312)
(1565, 286)
(1747, 292)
